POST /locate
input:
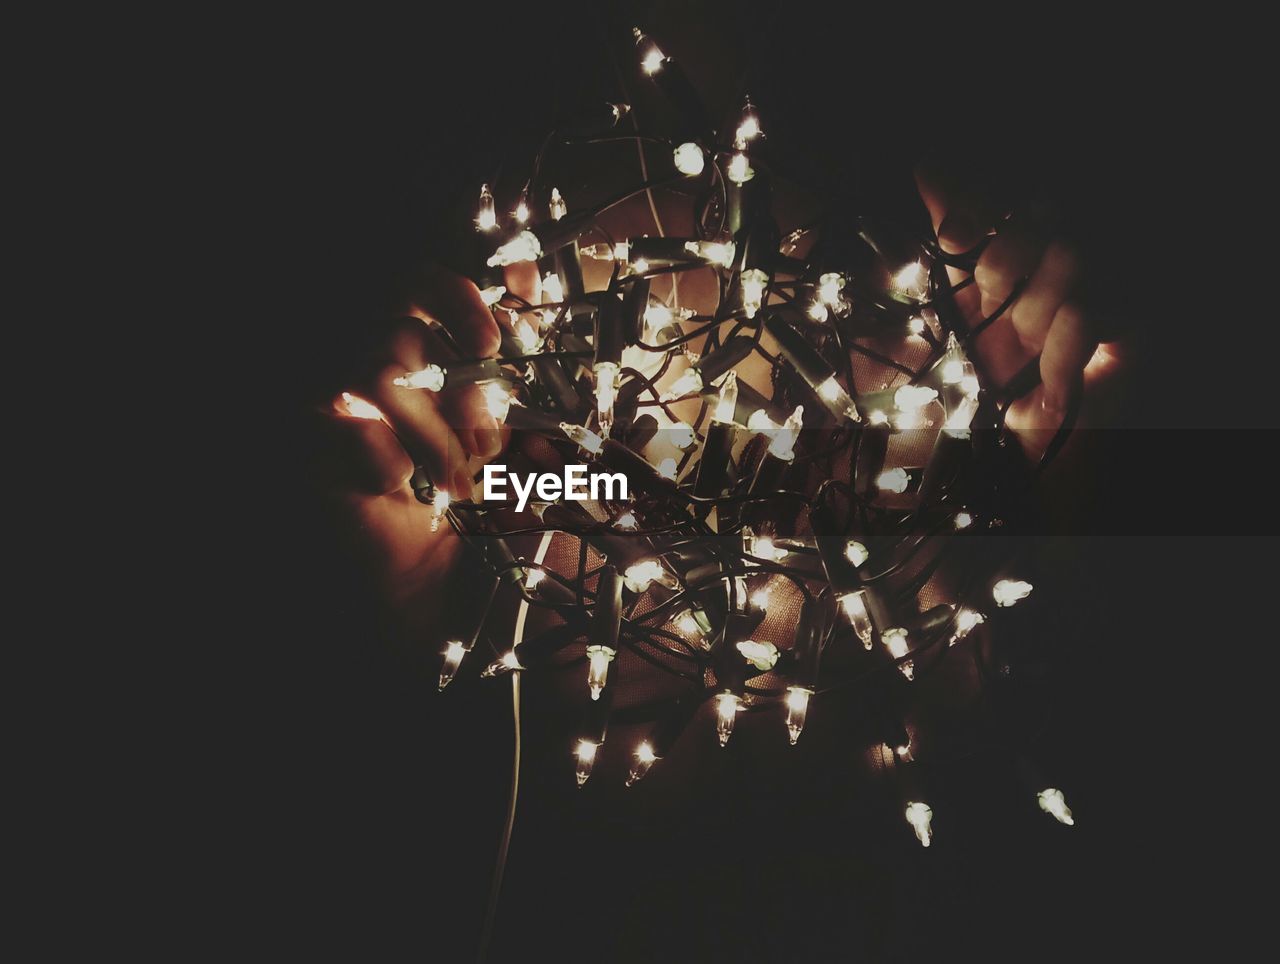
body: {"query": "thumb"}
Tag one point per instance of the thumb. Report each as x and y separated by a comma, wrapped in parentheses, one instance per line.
(960, 216)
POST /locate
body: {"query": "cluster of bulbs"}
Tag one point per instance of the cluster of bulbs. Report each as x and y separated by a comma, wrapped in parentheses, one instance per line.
(582, 369)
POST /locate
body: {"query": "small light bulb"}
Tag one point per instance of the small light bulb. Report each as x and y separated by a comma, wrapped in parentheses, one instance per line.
(506, 663)
(497, 400)
(760, 422)
(521, 213)
(558, 208)
(682, 435)
(966, 620)
(818, 312)
(727, 706)
(525, 246)
(830, 391)
(753, 282)
(855, 607)
(357, 407)
(717, 252)
(687, 624)
(652, 61)
(607, 252)
(689, 383)
(431, 378)
(689, 159)
(583, 437)
(912, 398)
(727, 404)
(492, 295)
(739, 170)
(903, 751)
(668, 469)
(1008, 591)
(797, 710)
(830, 285)
(1054, 803)
(895, 640)
(625, 521)
(586, 756)
(453, 654)
(916, 325)
(856, 553)
(763, 656)
(963, 520)
(439, 506)
(641, 762)
(760, 598)
(639, 575)
(598, 660)
(532, 577)
(656, 318)
(487, 218)
(961, 417)
(639, 266)
(748, 127)
(606, 393)
(528, 338)
(913, 281)
(552, 289)
(920, 816)
(782, 444)
(893, 480)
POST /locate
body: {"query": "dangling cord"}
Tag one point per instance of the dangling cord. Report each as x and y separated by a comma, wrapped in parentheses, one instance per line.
(496, 889)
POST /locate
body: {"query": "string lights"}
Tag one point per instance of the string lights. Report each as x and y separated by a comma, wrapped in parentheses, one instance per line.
(761, 462)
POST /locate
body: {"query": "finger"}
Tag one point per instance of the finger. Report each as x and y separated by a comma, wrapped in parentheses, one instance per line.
(456, 304)
(354, 452)
(1044, 294)
(1067, 350)
(466, 410)
(1011, 256)
(961, 216)
(522, 279)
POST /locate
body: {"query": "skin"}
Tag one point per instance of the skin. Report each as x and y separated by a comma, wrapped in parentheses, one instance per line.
(371, 458)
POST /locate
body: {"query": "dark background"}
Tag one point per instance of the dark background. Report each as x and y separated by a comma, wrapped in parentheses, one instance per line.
(362, 811)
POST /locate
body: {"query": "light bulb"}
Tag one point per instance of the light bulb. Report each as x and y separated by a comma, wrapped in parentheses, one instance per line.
(763, 656)
(878, 417)
(357, 407)
(961, 417)
(903, 751)
(639, 266)
(913, 419)
(782, 444)
(818, 312)
(753, 282)
(532, 577)
(797, 710)
(487, 218)
(920, 816)
(625, 521)
(681, 435)
(893, 480)
(1053, 802)
(528, 338)
(912, 398)
(760, 598)
(558, 208)
(598, 660)
(856, 552)
(855, 607)
(727, 706)
(525, 246)
(552, 289)
(739, 170)
(829, 287)
(453, 653)
(521, 213)
(761, 545)
(913, 281)
(652, 61)
(963, 520)
(1008, 591)
(431, 378)
(717, 252)
(748, 127)
(492, 295)
(668, 469)
(583, 437)
(689, 159)
(641, 762)
(689, 383)
(966, 620)
(727, 404)
(497, 400)
(639, 575)
(895, 640)
(760, 422)
(956, 370)
(606, 393)
(830, 391)
(506, 663)
(916, 325)
(586, 757)
(620, 251)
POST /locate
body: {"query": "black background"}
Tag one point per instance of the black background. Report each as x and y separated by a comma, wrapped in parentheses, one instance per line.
(361, 813)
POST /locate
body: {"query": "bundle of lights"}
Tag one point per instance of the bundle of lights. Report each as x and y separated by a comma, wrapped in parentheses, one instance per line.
(722, 507)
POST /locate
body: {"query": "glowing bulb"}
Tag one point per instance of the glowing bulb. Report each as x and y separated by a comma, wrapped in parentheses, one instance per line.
(760, 598)
(855, 607)
(656, 318)
(521, 213)
(681, 435)
(830, 391)
(641, 761)
(528, 338)
(507, 663)
(532, 577)
(689, 159)
(492, 295)
(856, 553)
(966, 620)
(894, 480)
(668, 469)
(606, 393)
(903, 751)
(583, 437)
(439, 506)
(717, 252)
(761, 545)
(639, 575)
(497, 400)
(913, 281)
(487, 218)
(739, 170)
(963, 520)
(748, 127)
(760, 422)
(829, 287)
(558, 208)
(753, 282)
(625, 521)
(727, 404)
(431, 378)
(763, 656)
(782, 444)
(911, 398)
(586, 756)
(552, 289)
(1053, 802)
(797, 710)
(818, 311)
(878, 418)
(906, 421)
(608, 252)
(639, 266)
(920, 816)
(598, 660)
(357, 407)
(652, 61)
(1008, 591)
(896, 642)
(525, 246)
(961, 417)
(453, 654)
(956, 370)
(916, 325)
(689, 383)
(727, 706)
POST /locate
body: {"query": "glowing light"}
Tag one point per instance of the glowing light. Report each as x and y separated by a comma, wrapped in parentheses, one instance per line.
(893, 480)
(689, 383)
(763, 656)
(830, 285)
(760, 598)
(739, 170)
(878, 417)
(856, 553)
(641, 762)
(487, 218)
(652, 61)
(453, 653)
(668, 469)
(532, 577)
(583, 437)
(1008, 591)
(920, 816)
(586, 756)
(830, 391)
(748, 127)
(598, 660)
(357, 407)
(895, 640)
(1054, 803)
(521, 213)
(625, 521)
(552, 289)
(528, 338)
(727, 706)
(507, 663)
(639, 575)
(525, 246)
(782, 444)
(761, 545)
(639, 266)
(911, 398)
(492, 295)
(431, 378)
(439, 506)
(689, 159)
(558, 208)
(818, 311)
(913, 281)
(797, 710)
(681, 435)
(606, 393)
(916, 325)
(717, 252)
(963, 520)
(753, 282)
(966, 620)
(727, 404)
(855, 607)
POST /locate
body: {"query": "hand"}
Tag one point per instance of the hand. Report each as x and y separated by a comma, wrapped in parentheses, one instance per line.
(375, 432)
(1048, 317)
